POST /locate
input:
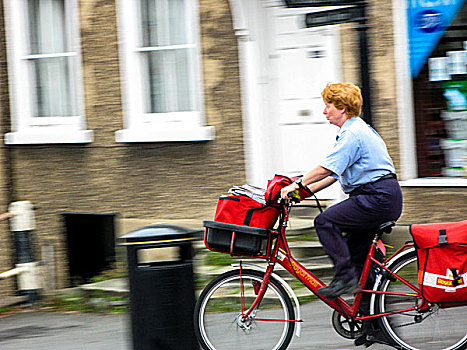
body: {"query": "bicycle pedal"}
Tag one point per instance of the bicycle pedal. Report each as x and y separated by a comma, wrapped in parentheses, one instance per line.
(364, 339)
(361, 340)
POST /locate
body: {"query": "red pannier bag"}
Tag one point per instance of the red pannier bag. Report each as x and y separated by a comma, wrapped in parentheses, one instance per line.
(243, 210)
(273, 190)
(442, 261)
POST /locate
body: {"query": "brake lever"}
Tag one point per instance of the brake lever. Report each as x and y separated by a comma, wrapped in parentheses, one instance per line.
(292, 197)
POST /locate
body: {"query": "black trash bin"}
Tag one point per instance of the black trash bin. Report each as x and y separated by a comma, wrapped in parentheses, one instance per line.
(162, 293)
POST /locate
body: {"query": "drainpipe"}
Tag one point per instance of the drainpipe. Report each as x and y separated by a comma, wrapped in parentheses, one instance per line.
(362, 29)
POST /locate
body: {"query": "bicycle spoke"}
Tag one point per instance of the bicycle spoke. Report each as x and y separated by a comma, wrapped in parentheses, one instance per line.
(220, 323)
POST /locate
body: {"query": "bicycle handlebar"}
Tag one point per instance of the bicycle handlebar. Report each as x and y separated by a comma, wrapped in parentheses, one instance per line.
(292, 197)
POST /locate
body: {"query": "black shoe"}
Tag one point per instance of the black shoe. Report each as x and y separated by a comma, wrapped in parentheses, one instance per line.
(368, 336)
(339, 287)
(371, 334)
(365, 340)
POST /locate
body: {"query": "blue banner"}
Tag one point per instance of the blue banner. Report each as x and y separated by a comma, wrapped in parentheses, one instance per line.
(427, 20)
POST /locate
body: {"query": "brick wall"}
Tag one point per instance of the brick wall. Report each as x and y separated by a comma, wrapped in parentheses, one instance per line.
(146, 181)
(6, 242)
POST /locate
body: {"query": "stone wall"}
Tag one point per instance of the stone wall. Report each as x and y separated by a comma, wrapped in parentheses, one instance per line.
(147, 181)
(432, 204)
(6, 242)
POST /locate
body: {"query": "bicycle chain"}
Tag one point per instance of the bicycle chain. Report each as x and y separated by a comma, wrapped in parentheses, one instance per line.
(406, 324)
(412, 323)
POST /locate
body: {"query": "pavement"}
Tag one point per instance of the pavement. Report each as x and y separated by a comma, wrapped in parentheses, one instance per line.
(40, 330)
(34, 330)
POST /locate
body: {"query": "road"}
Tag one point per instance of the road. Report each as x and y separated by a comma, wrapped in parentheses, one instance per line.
(38, 330)
(32, 330)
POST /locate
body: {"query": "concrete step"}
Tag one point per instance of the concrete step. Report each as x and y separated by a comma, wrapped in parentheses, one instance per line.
(300, 226)
(116, 285)
(319, 266)
(306, 249)
(12, 301)
(308, 252)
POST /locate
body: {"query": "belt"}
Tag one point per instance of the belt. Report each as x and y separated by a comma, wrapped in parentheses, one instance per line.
(385, 177)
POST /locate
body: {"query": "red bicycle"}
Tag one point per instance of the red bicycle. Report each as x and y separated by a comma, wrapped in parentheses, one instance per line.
(253, 308)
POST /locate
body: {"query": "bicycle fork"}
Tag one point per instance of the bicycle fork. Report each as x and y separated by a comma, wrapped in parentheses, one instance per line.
(246, 317)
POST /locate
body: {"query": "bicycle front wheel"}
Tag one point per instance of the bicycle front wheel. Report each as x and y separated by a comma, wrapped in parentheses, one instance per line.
(218, 314)
(432, 329)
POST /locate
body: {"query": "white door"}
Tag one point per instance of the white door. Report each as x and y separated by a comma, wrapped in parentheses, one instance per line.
(284, 67)
(305, 61)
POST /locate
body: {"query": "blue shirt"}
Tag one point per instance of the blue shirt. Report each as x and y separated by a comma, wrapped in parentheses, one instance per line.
(359, 155)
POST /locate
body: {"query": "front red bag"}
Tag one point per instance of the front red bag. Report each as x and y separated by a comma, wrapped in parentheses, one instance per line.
(442, 261)
(273, 190)
(243, 210)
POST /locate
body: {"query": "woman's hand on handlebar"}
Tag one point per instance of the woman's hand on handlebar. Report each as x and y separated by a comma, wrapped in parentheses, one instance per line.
(287, 190)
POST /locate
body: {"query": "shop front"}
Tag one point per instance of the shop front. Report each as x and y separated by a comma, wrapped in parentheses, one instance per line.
(437, 38)
(430, 55)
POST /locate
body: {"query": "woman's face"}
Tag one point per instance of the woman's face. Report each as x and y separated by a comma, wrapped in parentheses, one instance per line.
(333, 115)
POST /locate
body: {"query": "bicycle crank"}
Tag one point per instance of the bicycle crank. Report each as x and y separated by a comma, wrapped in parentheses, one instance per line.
(345, 327)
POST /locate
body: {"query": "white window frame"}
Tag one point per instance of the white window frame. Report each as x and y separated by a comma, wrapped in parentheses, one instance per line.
(27, 129)
(407, 144)
(165, 127)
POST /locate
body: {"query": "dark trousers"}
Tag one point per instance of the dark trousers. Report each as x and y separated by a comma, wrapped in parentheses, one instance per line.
(346, 229)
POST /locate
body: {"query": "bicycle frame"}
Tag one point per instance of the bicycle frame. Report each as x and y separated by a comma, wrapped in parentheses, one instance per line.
(281, 254)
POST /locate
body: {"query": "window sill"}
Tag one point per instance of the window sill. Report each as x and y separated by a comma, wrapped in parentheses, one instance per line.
(48, 137)
(435, 182)
(183, 134)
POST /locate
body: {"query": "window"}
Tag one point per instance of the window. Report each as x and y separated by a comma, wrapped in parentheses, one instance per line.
(431, 63)
(45, 72)
(161, 72)
(440, 104)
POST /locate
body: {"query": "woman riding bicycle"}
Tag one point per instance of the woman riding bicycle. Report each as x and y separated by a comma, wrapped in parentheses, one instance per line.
(361, 162)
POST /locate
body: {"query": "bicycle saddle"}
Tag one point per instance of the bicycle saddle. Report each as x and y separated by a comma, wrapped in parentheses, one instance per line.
(385, 227)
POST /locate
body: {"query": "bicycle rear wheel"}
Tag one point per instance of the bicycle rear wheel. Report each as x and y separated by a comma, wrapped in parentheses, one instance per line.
(217, 317)
(432, 329)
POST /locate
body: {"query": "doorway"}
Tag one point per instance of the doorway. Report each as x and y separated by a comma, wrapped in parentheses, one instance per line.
(285, 66)
(90, 244)
(307, 60)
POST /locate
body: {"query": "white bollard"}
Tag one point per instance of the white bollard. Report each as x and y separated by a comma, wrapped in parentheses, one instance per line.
(22, 224)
